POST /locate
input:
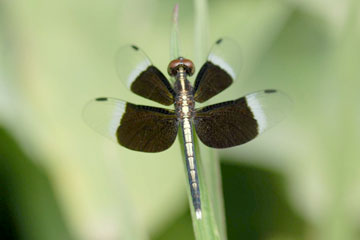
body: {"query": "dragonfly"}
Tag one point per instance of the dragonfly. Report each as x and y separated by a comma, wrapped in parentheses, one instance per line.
(153, 129)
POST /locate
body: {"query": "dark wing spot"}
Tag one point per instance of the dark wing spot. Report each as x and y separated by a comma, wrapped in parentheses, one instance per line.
(270, 91)
(210, 81)
(226, 124)
(219, 41)
(101, 99)
(135, 47)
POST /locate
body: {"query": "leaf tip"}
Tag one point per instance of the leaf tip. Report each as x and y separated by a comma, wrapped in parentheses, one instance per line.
(176, 13)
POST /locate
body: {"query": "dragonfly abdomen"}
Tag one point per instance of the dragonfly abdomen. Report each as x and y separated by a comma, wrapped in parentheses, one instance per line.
(189, 149)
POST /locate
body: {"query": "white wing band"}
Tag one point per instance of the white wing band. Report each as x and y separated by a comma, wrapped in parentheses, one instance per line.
(142, 66)
(222, 64)
(116, 117)
(258, 112)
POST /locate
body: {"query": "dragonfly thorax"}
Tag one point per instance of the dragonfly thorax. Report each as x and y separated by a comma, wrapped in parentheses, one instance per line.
(185, 105)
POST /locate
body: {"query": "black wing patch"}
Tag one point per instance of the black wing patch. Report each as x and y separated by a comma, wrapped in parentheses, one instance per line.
(140, 128)
(226, 124)
(153, 85)
(236, 122)
(210, 81)
(147, 129)
(141, 77)
(220, 70)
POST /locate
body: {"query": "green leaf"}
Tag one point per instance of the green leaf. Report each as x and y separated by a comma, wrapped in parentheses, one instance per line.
(28, 203)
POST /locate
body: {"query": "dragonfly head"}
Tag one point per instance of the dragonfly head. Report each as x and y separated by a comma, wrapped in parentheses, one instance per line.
(185, 63)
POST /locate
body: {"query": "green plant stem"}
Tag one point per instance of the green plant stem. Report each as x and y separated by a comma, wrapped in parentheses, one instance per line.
(201, 34)
(210, 165)
(212, 224)
(174, 37)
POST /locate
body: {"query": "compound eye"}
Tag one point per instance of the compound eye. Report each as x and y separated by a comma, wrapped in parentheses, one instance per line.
(189, 66)
(181, 62)
(173, 65)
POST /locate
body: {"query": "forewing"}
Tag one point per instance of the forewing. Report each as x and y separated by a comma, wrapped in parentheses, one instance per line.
(141, 77)
(232, 123)
(220, 70)
(136, 127)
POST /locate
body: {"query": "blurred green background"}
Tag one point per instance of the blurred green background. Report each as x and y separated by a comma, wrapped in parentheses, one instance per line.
(61, 180)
